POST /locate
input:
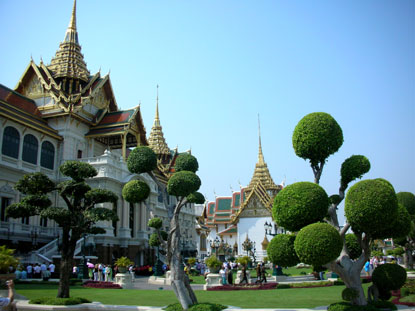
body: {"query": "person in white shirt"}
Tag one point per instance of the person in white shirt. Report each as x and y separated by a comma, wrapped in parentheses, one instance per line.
(42, 268)
(29, 270)
(52, 269)
(7, 304)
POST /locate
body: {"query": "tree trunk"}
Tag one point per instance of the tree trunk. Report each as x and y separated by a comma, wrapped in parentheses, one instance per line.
(349, 271)
(65, 275)
(408, 259)
(66, 264)
(180, 281)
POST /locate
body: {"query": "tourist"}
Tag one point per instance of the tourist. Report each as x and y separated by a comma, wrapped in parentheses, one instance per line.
(52, 270)
(375, 262)
(24, 274)
(263, 273)
(230, 274)
(36, 270)
(244, 276)
(131, 270)
(18, 273)
(258, 273)
(108, 273)
(42, 268)
(8, 303)
(29, 270)
(100, 275)
(367, 268)
(223, 275)
(46, 275)
(96, 273)
(74, 271)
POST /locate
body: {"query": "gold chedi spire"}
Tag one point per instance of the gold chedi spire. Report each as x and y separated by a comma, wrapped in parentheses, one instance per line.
(156, 139)
(69, 61)
(261, 173)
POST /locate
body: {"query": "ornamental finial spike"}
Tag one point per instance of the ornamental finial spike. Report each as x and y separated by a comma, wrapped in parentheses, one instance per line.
(72, 22)
(260, 155)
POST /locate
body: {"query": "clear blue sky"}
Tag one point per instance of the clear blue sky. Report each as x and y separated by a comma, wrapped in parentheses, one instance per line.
(220, 63)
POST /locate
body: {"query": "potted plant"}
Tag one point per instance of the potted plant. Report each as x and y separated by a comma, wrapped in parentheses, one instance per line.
(7, 260)
(213, 264)
(123, 263)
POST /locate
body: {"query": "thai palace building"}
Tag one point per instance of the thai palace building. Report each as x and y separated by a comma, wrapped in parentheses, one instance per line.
(58, 112)
(239, 219)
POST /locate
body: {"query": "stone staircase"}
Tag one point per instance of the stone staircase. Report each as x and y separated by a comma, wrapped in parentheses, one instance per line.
(50, 250)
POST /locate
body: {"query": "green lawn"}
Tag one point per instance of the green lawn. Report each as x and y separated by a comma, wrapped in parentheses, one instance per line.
(277, 298)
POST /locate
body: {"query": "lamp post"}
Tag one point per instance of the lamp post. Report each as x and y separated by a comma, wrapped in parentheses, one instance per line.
(268, 231)
(83, 269)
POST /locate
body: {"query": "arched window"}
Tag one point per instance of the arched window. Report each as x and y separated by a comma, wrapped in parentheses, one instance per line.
(47, 156)
(11, 140)
(30, 147)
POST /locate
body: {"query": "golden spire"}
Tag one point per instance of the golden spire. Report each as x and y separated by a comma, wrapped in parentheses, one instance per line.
(69, 61)
(156, 139)
(72, 22)
(260, 155)
(261, 173)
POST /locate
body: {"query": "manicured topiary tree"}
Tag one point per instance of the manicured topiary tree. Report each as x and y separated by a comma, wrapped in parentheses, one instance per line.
(183, 184)
(294, 212)
(281, 250)
(78, 218)
(315, 138)
(407, 200)
(388, 277)
(318, 244)
(371, 207)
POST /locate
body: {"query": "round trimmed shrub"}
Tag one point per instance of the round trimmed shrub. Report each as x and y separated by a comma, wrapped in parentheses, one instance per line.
(77, 170)
(164, 235)
(196, 197)
(154, 240)
(35, 183)
(335, 199)
(135, 191)
(389, 276)
(186, 162)
(401, 225)
(183, 183)
(353, 246)
(299, 205)
(370, 206)
(318, 244)
(141, 160)
(407, 199)
(354, 168)
(155, 223)
(316, 137)
(281, 250)
(385, 295)
(349, 294)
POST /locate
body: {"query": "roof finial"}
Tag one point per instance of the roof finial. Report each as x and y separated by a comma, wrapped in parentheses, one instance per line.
(72, 22)
(260, 155)
(157, 118)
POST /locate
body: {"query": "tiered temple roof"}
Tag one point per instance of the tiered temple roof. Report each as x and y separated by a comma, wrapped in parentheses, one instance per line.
(257, 196)
(66, 88)
(156, 139)
(69, 61)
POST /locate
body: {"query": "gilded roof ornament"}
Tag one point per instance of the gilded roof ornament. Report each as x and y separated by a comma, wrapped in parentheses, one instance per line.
(69, 61)
(156, 139)
(261, 173)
